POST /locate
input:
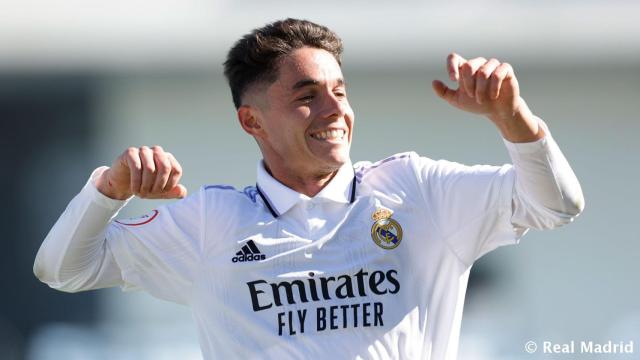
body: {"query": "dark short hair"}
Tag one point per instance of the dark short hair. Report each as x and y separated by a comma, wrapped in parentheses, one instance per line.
(255, 57)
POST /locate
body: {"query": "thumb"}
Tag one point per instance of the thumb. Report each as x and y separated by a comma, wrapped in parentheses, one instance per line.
(178, 192)
(442, 90)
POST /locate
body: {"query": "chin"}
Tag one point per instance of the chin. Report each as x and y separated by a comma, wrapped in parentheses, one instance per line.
(335, 161)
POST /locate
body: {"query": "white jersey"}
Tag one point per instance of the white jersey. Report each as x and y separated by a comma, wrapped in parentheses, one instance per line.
(373, 267)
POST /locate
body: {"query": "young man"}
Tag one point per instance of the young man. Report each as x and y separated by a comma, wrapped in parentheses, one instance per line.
(322, 258)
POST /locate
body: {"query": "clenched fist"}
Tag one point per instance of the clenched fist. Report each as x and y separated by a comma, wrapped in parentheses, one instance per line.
(150, 173)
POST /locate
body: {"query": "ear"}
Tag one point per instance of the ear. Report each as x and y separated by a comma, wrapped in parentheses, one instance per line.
(248, 116)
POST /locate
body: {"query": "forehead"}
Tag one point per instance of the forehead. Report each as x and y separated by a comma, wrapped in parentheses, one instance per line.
(308, 64)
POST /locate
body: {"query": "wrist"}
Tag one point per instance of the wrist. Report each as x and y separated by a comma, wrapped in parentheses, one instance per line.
(518, 126)
(519, 110)
(107, 188)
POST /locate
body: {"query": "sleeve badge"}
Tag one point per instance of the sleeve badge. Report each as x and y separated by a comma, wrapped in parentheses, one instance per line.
(144, 219)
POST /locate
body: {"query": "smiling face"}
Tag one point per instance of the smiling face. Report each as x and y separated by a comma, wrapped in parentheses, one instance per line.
(302, 121)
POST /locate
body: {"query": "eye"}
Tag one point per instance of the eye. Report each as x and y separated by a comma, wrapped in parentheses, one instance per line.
(305, 99)
(340, 93)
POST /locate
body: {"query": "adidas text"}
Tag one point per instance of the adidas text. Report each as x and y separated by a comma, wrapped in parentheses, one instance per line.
(249, 252)
(250, 257)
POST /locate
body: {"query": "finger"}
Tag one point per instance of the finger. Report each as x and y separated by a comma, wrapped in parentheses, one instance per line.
(443, 90)
(482, 80)
(148, 171)
(453, 65)
(173, 188)
(176, 173)
(467, 72)
(502, 72)
(163, 169)
(132, 158)
(177, 192)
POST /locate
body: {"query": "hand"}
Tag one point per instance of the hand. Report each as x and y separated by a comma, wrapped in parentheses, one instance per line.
(146, 172)
(490, 88)
(485, 87)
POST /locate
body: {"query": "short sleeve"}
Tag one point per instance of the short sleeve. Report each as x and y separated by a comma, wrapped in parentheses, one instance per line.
(160, 251)
(470, 206)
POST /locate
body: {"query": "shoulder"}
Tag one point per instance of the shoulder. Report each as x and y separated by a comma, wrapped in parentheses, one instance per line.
(408, 166)
(401, 164)
(395, 173)
(228, 201)
(229, 193)
(217, 196)
(365, 169)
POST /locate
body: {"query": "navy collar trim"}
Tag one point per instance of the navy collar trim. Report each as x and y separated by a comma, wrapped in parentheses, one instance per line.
(275, 214)
(267, 202)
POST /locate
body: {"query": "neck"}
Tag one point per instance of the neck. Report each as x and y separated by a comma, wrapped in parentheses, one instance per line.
(308, 183)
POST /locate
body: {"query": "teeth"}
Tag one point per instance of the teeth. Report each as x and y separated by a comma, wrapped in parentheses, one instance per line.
(329, 135)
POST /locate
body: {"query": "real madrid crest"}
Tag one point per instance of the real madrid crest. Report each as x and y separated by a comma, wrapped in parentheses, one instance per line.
(385, 232)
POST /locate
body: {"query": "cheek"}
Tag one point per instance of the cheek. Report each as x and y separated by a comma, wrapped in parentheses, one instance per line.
(291, 127)
(350, 117)
(299, 120)
(303, 113)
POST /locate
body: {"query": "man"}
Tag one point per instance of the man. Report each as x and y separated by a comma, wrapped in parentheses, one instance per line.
(322, 258)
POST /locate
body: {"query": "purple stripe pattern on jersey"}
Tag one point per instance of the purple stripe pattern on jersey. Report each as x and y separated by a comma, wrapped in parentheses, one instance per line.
(362, 171)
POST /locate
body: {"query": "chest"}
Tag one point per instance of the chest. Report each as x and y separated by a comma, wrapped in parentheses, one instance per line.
(324, 270)
(374, 233)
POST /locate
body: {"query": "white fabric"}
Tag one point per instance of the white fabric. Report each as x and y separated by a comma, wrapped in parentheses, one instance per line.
(411, 296)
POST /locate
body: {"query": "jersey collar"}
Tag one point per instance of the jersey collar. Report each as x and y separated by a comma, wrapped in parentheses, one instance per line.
(279, 198)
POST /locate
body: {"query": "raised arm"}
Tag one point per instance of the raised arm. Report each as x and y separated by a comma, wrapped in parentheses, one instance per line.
(75, 255)
(546, 193)
(149, 173)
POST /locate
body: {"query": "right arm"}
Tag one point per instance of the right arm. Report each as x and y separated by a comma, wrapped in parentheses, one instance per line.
(75, 255)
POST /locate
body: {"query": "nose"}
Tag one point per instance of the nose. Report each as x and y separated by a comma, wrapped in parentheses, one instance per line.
(333, 106)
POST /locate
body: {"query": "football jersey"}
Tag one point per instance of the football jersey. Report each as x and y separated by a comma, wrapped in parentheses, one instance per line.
(375, 266)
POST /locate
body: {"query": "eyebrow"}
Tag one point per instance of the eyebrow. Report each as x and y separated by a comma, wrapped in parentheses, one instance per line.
(312, 82)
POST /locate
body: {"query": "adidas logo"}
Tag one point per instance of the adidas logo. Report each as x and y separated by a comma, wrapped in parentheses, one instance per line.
(249, 252)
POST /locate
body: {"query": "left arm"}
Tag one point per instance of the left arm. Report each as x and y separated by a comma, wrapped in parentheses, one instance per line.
(547, 192)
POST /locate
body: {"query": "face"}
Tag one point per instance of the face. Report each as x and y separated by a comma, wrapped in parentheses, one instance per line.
(304, 120)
